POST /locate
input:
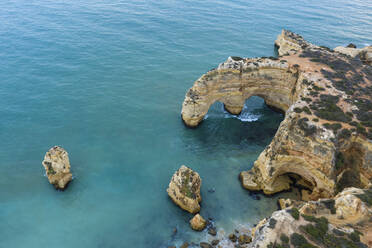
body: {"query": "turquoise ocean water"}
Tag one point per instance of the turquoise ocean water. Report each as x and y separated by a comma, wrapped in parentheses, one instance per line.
(105, 79)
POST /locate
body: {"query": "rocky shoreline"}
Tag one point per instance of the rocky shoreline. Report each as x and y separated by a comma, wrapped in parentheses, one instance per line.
(323, 144)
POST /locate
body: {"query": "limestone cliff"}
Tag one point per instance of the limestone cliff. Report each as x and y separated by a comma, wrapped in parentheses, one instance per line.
(364, 54)
(324, 142)
(340, 222)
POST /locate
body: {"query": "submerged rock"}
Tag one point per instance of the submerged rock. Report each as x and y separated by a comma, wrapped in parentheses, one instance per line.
(212, 231)
(198, 223)
(205, 245)
(215, 242)
(244, 239)
(57, 167)
(184, 245)
(184, 189)
(233, 237)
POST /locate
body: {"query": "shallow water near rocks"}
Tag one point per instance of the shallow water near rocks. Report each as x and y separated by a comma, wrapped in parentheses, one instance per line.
(106, 80)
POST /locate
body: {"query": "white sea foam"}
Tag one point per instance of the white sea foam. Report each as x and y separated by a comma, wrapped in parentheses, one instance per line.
(248, 117)
(245, 115)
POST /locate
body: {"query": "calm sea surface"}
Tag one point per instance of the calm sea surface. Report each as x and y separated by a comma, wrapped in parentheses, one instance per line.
(105, 79)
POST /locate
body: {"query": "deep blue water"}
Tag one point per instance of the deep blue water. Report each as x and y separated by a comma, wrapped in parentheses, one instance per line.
(105, 79)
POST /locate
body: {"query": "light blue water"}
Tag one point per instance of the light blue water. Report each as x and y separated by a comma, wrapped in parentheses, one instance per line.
(105, 79)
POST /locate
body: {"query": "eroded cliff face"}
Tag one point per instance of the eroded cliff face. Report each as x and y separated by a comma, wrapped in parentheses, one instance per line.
(364, 54)
(343, 221)
(324, 142)
(235, 81)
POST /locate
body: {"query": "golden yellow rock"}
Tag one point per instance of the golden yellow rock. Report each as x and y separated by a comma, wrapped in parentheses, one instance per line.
(305, 195)
(198, 223)
(57, 167)
(184, 189)
(365, 53)
(349, 206)
(327, 100)
(342, 217)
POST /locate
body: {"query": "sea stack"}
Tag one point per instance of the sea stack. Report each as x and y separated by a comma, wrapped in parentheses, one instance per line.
(198, 223)
(57, 167)
(184, 189)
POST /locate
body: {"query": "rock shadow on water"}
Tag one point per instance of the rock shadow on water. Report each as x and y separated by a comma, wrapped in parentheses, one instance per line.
(221, 131)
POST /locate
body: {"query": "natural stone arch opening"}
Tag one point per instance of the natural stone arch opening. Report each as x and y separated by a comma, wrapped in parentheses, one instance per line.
(254, 108)
(304, 183)
(320, 113)
(276, 178)
(237, 80)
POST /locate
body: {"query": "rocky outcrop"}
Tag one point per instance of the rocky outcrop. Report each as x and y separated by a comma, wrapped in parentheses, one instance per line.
(352, 205)
(184, 189)
(236, 80)
(324, 142)
(364, 54)
(288, 42)
(57, 167)
(343, 221)
(198, 223)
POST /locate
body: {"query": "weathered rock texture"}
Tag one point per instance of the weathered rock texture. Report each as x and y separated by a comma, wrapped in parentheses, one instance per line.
(57, 167)
(198, 223)
(184, 189)
(324, 141)
(364, 54)
(343, 221)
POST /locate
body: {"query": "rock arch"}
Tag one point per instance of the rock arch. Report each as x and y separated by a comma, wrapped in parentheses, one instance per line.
(321, 113)
(235, 81)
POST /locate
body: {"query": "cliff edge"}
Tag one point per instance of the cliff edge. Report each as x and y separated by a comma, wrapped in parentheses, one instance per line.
(324, 142)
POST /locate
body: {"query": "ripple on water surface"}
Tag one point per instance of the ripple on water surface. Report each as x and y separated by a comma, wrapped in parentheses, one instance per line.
(106, 80)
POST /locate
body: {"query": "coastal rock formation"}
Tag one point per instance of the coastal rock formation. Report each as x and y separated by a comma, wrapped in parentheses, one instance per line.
(57, 167)
(319, 223)
(324, 142)
(184, 189)
(350, 207)
(364, 54)
(198, 223)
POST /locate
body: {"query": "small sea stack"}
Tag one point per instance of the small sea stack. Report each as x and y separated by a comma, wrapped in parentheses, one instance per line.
(198, 223)
(57, 167)
(184, 189)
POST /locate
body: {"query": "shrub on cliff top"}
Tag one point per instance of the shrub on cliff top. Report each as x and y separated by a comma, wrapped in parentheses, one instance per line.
(272, 223)
(366, 197)
(354, 236)
(236, 58)
(284, 238)
(327, 109)
(344, 134)
(317, 88)
(308, 129)
(297, 110)
(330, 204)
(306, 99)
(295, 213)
(350, 178)
(317, 231)
(340, 160)
(306, 110)
(334, 126)
(299, 241)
